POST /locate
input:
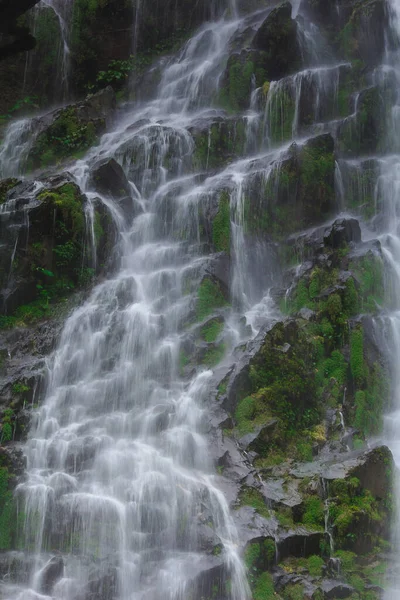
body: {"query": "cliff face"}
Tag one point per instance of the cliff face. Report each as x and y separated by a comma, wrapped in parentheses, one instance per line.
(281, 189)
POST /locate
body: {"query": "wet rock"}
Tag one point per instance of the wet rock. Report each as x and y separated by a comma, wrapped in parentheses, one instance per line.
(102, 585)
(83, 121)
(364, 133)
(368, 24)
(335, 589)
(5, 186)
(277, 37)
(218, 140)
(299, 542)
(219, 268)
(209, 578)
(244, 69)
(50, 574)
(108, 178)
(342, 232)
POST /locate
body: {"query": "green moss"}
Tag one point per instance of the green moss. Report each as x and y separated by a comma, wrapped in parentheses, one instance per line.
(294, 592)
(209, 298)
(352, 503)
(64, 137)
(285, 517)
(264, 588)
(368, 271)
(7, 510)
(236, 93)
(317, 169)
(5, 186)
(350, 299)
(313, 512)
(211, 330)
(357, 365)
(68, 200)
(314, 565)
(214, 355)
(281, 112)
(252, 497)
(252, 555)
(221, 226)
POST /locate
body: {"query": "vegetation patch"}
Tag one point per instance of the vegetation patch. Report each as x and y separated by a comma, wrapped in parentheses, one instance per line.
(209, 298)
(221, 227)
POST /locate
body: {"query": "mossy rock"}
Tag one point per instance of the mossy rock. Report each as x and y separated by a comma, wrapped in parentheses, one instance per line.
(218, 143)
(5, 186)
(277, 37)
(57, 254)
(237, 81)
(298, 192)
(363, 36)
(365, 133)
(70, 131)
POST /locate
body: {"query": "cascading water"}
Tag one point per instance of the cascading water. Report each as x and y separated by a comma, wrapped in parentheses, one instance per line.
(119, 475)
(63, 10)
(120, 482)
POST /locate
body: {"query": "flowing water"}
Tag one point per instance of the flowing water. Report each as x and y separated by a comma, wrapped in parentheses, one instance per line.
(120, 482)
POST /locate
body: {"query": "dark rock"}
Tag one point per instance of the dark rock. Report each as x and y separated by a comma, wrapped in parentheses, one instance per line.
(299, 542)
(374, 471)
(97, 106)
(277, 37)
(336, 589)
(365, 133)
(85, 120)
(261, 438)
(108, 178)
(342, 232)
(102, 584)
(219, 268)
(50, 574)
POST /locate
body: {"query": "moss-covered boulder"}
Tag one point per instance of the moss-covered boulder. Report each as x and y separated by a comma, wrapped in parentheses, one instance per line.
(277, 37)
(218, 141)
(363, 36)
(11, 468)
(70, 131)
(243, 70)
(298, 191)
(50, 245)
(5, 186)
(364, 133)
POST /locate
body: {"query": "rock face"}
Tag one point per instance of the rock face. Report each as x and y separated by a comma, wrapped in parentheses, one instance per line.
(45, 236)
(71, 130)
(109, 178)
(277, 37)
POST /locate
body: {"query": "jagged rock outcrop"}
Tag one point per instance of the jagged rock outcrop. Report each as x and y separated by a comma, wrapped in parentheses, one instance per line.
(65, 132)
(45, 236)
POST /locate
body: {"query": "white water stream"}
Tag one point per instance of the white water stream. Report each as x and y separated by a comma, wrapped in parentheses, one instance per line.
(120, 479)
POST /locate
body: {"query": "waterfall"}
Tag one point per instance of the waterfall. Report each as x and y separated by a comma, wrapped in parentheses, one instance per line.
(63, 10)
(387, 198)
(119, 477)
(121, 498)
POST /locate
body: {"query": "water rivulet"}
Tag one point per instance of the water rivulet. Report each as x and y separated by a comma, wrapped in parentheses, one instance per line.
(212, 415)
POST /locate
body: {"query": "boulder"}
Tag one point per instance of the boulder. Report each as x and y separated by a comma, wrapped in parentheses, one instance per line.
(336, 589)
(364, 133)
(108, 178)
(45, 235)
(342, 232)
(64, 132)
(50, 574)
(277, 37)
